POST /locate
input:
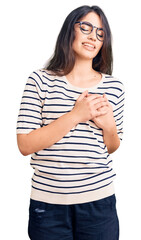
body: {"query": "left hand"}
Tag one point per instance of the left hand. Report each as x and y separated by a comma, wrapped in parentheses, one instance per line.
(107, 120)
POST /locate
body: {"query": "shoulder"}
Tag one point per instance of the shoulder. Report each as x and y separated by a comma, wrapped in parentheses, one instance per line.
(41, 76)
(44, 79)
(110, 81)
(41, 73)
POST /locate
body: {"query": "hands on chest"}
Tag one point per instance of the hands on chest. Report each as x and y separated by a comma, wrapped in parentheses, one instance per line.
(98, 109)
(106, 119)
(94, 107)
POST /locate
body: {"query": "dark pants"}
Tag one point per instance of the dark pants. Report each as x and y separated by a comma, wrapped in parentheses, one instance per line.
(95, 220)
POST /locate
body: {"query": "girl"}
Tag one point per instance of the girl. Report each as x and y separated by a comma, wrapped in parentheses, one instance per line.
(71, 120)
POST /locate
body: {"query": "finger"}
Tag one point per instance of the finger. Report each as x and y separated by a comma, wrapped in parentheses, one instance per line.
(99, 100)
(101, 112)
(100, 105)
(105, 97)
(87, 94)
(104, 108)
(93, 96)
(109, 104)
(82, 95)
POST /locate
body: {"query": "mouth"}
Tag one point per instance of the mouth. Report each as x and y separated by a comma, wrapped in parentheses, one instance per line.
(89, 45)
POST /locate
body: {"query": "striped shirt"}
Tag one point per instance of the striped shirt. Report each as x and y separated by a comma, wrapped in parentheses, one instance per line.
(78, 168)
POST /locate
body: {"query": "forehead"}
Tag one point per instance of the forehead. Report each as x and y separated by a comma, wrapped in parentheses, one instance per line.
(93, 18)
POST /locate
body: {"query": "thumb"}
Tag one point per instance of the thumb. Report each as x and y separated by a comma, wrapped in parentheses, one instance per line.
(82, 95)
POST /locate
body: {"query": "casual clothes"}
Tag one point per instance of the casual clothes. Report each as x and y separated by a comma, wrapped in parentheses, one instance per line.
(87, 221)
(78, 168)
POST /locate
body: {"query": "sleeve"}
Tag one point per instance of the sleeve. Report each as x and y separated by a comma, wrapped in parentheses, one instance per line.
(119, 110)
(30, 116)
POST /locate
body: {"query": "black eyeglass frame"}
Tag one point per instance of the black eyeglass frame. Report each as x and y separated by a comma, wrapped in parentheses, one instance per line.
(82, 22)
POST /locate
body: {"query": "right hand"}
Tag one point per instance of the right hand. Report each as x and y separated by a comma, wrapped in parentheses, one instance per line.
(89, 106)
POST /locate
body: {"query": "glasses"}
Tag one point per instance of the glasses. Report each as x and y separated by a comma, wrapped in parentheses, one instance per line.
(87, 28)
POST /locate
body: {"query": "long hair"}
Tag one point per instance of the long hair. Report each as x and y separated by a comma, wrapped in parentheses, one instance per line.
(63, 59)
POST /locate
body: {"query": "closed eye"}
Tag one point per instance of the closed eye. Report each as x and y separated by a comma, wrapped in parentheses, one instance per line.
(84, 29)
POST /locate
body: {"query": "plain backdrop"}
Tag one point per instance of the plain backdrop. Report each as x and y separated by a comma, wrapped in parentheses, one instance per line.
(28, 35)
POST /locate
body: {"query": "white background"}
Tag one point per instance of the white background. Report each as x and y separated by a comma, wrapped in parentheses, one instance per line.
(28, 34)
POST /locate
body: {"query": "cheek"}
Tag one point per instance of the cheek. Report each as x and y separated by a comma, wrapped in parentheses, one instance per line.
(76, 43)
(98, 48)
(99, 45)
(79, 38)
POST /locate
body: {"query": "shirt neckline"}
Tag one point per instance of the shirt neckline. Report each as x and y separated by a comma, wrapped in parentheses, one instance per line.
(86, 88)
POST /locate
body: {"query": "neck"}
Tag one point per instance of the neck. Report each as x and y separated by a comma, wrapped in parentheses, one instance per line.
(82, 70)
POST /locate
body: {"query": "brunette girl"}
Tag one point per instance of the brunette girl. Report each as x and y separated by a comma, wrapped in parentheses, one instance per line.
(71, 120)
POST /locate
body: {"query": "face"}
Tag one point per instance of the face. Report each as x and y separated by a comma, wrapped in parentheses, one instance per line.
(87, 46)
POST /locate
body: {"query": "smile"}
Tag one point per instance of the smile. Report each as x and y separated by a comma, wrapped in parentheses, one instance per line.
(89, 45)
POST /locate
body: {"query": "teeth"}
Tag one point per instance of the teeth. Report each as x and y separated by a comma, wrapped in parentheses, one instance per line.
(89, 45)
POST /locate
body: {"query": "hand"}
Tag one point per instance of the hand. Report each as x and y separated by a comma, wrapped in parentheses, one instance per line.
(106, 121)
(89, 106)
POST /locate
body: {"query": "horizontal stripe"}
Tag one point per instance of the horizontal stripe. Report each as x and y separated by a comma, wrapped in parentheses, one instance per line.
(69, 187)
(30, 91)
(121, 107)
(28, 109)
(115, 88)
(76, 180)
(67, 89)
(118, 114)
(31, 104)
(76, 143)
(37, 83)
(28, 122)
(73, 150)
(25, 128)
(71, 156)
(28, 116)
(59, 98)
(61, 161)
(32, 98)
(94, 189)
(64, 174)
(56, 105)
(118, 119)
(53, 80)
(71, 168)
(79, 162)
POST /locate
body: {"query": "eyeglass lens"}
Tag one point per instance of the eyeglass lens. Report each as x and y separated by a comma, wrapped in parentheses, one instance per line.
(87, 28)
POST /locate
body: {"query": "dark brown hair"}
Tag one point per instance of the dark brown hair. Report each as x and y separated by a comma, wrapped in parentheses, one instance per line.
(63, 58)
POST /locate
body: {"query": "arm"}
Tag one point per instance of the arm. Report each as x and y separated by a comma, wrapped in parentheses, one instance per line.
(108, 125)
(114, 132)
(111, 138)
(46, 136)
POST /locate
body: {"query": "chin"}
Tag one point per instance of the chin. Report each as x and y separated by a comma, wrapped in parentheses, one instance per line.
(88, 55)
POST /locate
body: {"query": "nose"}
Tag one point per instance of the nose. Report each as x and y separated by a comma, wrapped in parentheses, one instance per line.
(92, 35)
